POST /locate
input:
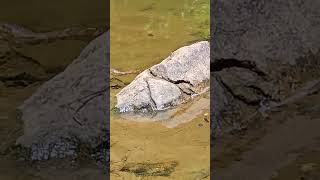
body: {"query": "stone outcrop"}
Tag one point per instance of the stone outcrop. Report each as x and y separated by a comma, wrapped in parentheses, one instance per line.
(262, 51)
(71, 108)
(182, 75)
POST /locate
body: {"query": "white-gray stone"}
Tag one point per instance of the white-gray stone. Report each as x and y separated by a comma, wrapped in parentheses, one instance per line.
(163, 93)
(175, 80)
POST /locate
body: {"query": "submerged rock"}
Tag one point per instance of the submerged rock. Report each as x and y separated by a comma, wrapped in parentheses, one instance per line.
(71, 108)
(151, 169)
(182, 75)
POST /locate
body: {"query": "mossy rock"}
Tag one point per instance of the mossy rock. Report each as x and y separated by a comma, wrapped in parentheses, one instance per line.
(151, 169)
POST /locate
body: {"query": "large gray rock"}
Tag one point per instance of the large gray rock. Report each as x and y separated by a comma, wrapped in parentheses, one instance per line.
(71, 108)
(261, 52)
(264, 31)
(182, 75)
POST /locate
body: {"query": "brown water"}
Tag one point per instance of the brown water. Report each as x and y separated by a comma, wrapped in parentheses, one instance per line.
(48, 15)
(42, 16)
(143, 33)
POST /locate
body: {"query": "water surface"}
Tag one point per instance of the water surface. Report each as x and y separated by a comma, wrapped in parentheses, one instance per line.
(143, 33)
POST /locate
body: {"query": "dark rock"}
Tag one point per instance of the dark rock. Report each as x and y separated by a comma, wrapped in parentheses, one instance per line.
(71, 108)
(261, 51)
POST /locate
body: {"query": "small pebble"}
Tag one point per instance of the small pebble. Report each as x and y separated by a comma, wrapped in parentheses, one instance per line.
(206, 117)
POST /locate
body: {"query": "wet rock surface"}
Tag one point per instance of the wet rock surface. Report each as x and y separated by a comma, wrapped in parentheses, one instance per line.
(184, 74)
(71, 108)
(59, 149)
(262, 51)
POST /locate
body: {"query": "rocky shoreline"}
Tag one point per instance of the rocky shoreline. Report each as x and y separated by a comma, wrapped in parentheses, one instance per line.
(71, 109)
(250, 76)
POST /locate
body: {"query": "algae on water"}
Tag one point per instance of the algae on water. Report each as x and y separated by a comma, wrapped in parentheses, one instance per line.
(150, 169)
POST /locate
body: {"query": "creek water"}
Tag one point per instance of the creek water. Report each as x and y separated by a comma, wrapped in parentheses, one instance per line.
(142, 34)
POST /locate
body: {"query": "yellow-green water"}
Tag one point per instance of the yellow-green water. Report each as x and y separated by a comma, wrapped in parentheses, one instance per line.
(146, 32)
(143, 33)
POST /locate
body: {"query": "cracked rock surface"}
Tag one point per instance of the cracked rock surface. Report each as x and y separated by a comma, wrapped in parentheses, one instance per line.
(71, 108)
(182, 75)
(262, 51)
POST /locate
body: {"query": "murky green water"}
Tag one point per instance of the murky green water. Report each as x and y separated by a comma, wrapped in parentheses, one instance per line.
(144, 32)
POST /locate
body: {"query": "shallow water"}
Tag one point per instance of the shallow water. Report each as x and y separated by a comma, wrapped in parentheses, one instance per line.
(167, 25)
(143, 33)
(136, 142)
(43, 16)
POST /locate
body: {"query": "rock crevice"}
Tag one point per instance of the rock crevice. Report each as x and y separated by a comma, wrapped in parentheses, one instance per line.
(173, 81)
(262, 51)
